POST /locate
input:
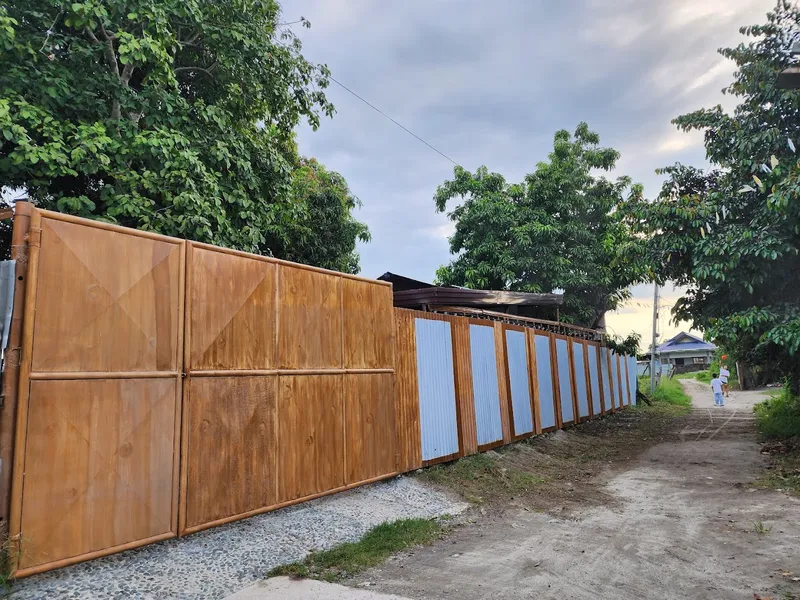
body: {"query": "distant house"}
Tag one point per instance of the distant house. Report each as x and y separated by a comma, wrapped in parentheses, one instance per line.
(686, 349)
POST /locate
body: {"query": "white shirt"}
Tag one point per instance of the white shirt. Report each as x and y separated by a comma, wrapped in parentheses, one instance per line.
(724, 374)
(716, 385)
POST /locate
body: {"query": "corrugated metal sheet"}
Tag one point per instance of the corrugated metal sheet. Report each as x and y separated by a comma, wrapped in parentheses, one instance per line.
(465, 407)
(544, 378)
(580, 379)
(632, 378)
(615, 380)
(7, 280)
(520, 387)
(437, 391)
(564, 381)
(623, 379)
(485, 387)
(594, 380)
(606, 376)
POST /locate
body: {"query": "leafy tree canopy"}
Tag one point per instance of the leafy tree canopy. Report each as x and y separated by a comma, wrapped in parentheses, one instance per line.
(556, 229)
(325, 234)
(731, 234)
(174, 116)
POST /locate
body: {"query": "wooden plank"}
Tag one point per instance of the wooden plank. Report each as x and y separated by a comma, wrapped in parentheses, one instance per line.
(370, 435)
(309, 320)
(409, 436)
(368, 325)
(232, 466)
(310, 435)
(533, 375)
(465, 399)
(233, 312)
(98, 287)
(23, 390)
(502, 381)
(99, 466)
(11, 367)
(586, 374)
(556, 381)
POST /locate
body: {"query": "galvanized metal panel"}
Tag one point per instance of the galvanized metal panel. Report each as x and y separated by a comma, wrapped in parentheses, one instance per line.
(486, 390)
(632, 378)
(564, 381)
(615, 379)
(517, 351)
(437, 390)
(544, 379)
(609, 399)
(7, 279)
(580, 379)
(623, 380)
(594, 380)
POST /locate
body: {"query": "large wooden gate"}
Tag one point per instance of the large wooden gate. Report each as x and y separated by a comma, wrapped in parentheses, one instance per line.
(96, 459)
(290, 390)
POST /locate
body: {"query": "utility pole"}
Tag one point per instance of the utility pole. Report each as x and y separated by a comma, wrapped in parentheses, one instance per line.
(655, 341)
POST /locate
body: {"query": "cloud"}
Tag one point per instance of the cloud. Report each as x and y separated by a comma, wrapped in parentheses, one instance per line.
(489, 84)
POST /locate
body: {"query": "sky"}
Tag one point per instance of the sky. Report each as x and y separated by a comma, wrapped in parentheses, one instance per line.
(489, 84)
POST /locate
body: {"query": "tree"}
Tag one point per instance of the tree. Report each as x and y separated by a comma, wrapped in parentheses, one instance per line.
(732, 234)
(557, 229)
(174, 116)
(325, 233)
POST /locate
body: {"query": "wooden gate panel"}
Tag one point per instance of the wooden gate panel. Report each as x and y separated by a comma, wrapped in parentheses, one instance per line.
(232, 447)
(106, 301)
(310, 435)
(99, 469)
(309, 319)
(233, 311)
(368, 324)
(369, 426)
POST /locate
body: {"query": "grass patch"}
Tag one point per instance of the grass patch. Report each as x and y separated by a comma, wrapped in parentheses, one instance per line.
(778, 418)
(375, 547)
(760, 528)
(670, 391)
(703, 376)
(480, 476)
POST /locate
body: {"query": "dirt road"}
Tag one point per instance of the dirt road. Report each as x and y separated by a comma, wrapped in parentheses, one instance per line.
(687, 524)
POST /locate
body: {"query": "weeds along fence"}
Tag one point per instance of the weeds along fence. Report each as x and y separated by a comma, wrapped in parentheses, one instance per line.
(165, 386)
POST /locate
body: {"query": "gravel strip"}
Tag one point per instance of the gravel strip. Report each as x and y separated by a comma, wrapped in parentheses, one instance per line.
(219, 561)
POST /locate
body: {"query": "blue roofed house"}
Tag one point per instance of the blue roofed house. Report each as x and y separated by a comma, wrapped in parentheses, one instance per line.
(686, 349)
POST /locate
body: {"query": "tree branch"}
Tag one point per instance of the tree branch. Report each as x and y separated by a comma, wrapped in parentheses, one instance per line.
(104, 34)
(127, 73)
(207, 70)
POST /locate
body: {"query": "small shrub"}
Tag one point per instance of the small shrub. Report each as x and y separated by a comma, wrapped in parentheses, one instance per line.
(778, 418)
(703, 376)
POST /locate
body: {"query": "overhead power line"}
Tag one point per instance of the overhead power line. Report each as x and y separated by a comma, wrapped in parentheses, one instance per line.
(379, 111)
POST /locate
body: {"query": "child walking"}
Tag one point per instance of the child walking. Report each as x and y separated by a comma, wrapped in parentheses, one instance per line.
(716, 386)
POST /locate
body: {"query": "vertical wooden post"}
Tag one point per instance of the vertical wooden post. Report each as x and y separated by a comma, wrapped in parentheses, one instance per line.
(34, 238)
(8, 410)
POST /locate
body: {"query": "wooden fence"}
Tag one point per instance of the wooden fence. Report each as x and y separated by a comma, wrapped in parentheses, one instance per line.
(166, 386)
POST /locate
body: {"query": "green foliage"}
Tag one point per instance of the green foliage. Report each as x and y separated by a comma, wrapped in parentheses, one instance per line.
(628, 346)
(376, 546)
(173, 116)
(668, 391)
(325, 233)
(704, 376)
(557, 229)
(778, 418)
(732, 234)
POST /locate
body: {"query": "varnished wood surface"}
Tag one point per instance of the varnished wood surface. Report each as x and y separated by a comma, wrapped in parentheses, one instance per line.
(368, 320)
(409, 437)
(309, 320)
(97, 288)
(369, 426)
(99, 466)
(232, 447)
(233, 312)
(310, 435)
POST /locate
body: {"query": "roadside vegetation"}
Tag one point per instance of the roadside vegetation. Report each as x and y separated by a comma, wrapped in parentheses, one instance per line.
(376, 546)
(668, 392)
